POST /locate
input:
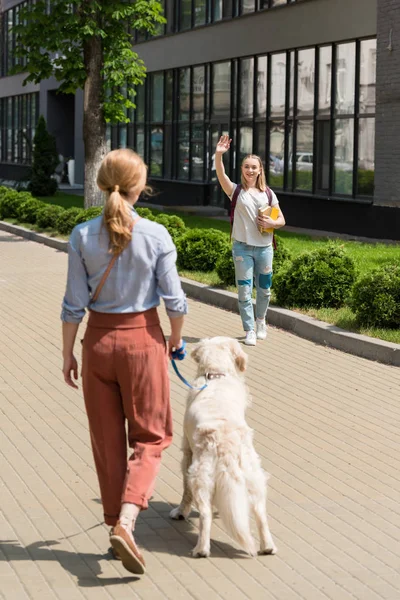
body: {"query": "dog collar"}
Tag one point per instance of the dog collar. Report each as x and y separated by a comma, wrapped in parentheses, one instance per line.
(210, 376)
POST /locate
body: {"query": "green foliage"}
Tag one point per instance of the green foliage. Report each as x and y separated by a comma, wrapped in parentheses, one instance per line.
(199, 249)
(225, 267)
(69, 30)
(175, 225)
(90, 213)
(67, 220)
(48, 215)
(376, 298)
(321, 278)
(45, 160)
(145, 213)
(27, 210)
(9, 202)
(282, 254)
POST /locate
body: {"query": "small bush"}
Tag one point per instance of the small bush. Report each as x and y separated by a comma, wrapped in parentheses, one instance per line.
(67, 220)
(28, 209)
(9, 203)
(145, 213)
(48, 215)
(199, 249)
(322, 278)
(3, 191)
(90, 213)
(376, 298)
(175, 225)
(44, 161)
(225, 267)
(281, 254)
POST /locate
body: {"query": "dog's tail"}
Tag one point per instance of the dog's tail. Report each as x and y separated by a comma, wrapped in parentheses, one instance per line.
(231, 495)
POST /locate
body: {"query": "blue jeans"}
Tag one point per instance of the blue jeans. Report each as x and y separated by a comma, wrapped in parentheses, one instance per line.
(252, 263)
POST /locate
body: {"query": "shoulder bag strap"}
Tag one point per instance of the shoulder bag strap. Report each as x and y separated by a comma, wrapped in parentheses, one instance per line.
(107, 271)
(269, 194)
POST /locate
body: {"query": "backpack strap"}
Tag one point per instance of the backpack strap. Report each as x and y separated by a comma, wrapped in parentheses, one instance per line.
(234, 199)
(269, 194)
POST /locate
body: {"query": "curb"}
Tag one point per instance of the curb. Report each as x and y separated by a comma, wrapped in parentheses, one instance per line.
(306, 327)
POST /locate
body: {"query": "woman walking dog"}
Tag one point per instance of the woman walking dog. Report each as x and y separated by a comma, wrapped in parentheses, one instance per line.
(252, 251)
(119, 267)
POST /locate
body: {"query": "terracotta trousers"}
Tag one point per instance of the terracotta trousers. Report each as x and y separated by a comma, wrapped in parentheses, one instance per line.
(126, 391)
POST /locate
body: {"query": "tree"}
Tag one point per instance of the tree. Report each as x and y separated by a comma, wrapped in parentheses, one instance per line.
(88, 44)
(45, 160)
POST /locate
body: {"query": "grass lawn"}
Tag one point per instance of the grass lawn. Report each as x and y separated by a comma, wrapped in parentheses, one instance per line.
(366, 257)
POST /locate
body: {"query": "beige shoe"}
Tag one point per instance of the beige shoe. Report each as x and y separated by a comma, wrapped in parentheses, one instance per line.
(124, 547)
(116, 556)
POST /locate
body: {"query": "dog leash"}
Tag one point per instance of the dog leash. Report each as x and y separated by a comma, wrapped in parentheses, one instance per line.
(179, 354)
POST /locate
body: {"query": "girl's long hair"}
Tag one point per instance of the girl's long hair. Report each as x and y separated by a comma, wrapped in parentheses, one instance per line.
(121, 173)
(261, 182)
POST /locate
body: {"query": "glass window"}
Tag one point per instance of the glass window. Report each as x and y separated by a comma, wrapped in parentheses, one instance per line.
(325, 80)
(323, 155)
(278, 2)
(262, 84)
(168, 95)
(292, 58)
(221, 86)
(140, 103)
(277, 153)
(122, 134)
(223, 9)
(246, 82)
(248, 6)
(366, 157)
(345, 78)
(305, 81)
(198, 93)
(304, 155)
(184, 94)
(156, 151)
(185, 20)
(140, 141)
(245, 141)
(200, 9)
(197, 153)
(183, 152)
(278, 84)
(367, 76)
(344, 137)
(260, 140)
(157, 97)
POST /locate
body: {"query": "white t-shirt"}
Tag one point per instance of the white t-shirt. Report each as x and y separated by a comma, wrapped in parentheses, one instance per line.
(246, 212)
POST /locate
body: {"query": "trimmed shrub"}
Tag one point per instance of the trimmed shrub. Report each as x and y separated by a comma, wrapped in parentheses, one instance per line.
(48, 215)
(28, 209)
(67, 220)
(175, 225)
(199, 249)
(225, 267)
(9, 204)
(44, 161)
(145, 213)
(376, 298)
(89, 213)
(322, 278)
(281, 254)
(3, 191)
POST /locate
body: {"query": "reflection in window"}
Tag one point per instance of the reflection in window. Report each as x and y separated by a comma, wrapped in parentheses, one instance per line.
(223, 9)
(260, 140)
(156, 151)
(157, 97)
(197, 153)
(168, 95)
(277, 153)
(366, 157)
(367, 76)
(183, 152)
(343, 159)
(221, 87)
(246, 87)
(325, 80)
(278, 84)
(345, 78)
(262, 84)
(18, 118)
(185, 20)
(200, 9)
(245, 142)
(305, 81)
(184, 94)
(198, 93)
(304, 155)
(248, 6)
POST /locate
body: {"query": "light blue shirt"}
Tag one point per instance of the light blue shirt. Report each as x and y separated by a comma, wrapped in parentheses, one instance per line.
(142, 274)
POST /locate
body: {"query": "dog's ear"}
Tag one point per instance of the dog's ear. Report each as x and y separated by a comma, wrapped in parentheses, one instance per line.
(195, 354)
(240, 356)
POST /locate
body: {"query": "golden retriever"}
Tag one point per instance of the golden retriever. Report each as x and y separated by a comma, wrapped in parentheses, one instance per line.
(220, 465)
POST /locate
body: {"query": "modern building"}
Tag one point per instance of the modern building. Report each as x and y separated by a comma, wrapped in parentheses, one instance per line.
(312, 86)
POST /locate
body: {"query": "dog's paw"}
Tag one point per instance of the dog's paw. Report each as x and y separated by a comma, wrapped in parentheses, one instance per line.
(198, 552)
(176, 514)
(271, 550)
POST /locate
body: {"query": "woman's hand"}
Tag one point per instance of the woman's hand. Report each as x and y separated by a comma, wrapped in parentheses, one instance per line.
(223, 145)
(266, 222)
(174, 343)
(69, 365)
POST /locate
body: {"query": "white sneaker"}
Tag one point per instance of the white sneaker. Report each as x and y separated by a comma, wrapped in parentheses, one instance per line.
(251, 338)
(261, 330)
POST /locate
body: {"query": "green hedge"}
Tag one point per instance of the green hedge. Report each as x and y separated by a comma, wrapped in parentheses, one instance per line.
(199, 249)
(376, 298)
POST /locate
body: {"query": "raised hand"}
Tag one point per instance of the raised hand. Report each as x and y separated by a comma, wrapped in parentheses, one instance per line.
(223, 144)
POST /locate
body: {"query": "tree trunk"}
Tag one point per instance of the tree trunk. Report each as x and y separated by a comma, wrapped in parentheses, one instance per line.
(94, 127)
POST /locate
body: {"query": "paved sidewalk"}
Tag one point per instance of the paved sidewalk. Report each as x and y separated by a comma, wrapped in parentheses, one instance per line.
(326, 425)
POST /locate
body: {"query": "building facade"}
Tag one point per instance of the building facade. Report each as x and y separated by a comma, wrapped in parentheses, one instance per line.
(312, 86)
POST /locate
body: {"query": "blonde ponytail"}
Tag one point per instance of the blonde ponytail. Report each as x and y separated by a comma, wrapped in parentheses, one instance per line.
(122, 173)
